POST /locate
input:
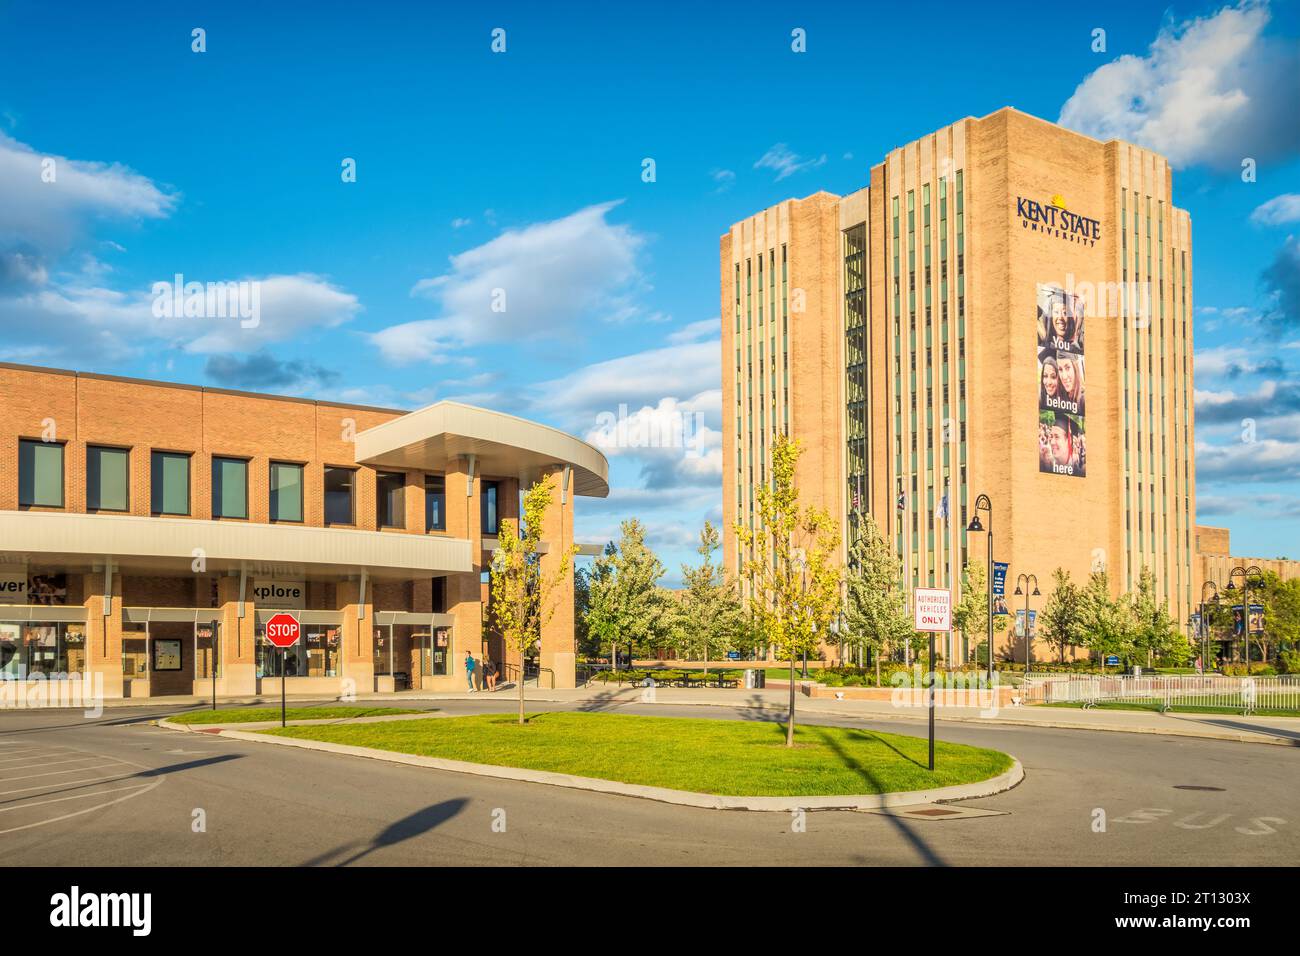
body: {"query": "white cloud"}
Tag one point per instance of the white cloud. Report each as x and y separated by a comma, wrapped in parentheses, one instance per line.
(43, 219)
(1210, 90)
(290, 306)
(705, 328)
(549, 277)
(1278, 210)
(785, 163)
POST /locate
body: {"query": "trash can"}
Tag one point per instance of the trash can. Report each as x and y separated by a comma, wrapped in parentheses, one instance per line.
(754, 679)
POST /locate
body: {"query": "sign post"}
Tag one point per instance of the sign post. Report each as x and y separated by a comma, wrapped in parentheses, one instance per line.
(933, 614)
(283, 631)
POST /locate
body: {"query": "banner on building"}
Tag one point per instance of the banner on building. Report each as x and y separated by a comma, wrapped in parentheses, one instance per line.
(1061, 406)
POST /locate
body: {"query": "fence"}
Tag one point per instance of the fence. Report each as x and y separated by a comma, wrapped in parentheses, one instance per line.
(1231, 693)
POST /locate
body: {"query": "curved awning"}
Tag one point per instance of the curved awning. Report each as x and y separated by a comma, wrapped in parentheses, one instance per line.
(505, 446)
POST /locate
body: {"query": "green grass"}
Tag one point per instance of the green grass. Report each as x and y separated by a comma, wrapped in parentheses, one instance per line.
(246, 715)
(1177, 708)
(730, 757)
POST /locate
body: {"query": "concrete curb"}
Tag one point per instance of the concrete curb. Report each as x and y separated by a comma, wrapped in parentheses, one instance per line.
(1171, 730)
(686, 798)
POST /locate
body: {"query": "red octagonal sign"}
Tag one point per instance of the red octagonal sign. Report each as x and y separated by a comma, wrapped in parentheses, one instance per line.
(282, 630)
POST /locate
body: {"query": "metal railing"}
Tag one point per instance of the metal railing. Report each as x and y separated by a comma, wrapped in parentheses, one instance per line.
(1246, 694)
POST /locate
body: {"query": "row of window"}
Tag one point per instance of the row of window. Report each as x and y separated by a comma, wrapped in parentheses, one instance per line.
(41, 483)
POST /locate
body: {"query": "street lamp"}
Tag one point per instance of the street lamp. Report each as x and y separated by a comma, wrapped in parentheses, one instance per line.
(1205, 624)
(982, 503)
(1029, 641)
(1246, 574)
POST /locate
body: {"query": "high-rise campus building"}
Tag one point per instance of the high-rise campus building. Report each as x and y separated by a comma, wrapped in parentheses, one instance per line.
(1006, 309)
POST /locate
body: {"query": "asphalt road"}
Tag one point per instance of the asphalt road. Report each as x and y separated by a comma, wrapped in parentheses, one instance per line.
(120, 791)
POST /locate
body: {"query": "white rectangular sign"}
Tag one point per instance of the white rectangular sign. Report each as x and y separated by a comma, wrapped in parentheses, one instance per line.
(933, 609)
(286, 595)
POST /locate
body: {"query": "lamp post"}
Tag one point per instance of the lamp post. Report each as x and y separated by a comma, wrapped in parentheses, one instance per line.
(982, 503)
(1246, 574)
(1205, 624)
(1029, 640)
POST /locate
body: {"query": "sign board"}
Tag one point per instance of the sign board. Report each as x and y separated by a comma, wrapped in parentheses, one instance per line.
(282, 630)
(733, 655)
(1112, 660)
(1020, 623)
(1000, 587)
(16, 587)
(280, 594)
(933, 609)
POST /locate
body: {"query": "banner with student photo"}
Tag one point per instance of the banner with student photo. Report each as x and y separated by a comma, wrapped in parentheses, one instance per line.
(1061, 405)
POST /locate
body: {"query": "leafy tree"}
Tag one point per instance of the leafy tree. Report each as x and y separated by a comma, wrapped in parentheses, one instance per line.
(793, 566)
(521, 597)
(627, 606)
(971, 613)
(1109, 625)
(1155, 632)
(1062, 614)
(875, 610)
(709, 613)
(1281, 600)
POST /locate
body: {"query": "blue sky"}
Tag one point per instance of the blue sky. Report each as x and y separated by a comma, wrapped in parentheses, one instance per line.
(522, 171)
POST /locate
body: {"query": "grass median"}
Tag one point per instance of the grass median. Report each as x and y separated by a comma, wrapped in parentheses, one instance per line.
(727, 757)
(248, 715)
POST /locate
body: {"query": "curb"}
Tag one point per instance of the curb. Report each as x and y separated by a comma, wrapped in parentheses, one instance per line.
(705, 801)
(1259, 737)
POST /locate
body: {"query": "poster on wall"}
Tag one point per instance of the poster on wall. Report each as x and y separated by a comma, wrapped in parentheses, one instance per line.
(166, 654)
(16, 587)
(1061, 403)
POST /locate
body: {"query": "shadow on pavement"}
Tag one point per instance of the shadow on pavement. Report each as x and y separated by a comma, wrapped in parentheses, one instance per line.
(407, 828)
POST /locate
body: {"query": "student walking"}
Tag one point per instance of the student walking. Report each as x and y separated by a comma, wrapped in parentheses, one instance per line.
(490, 674)
(470, 664)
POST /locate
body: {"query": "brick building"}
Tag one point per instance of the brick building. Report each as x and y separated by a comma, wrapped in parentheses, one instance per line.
(148, 530)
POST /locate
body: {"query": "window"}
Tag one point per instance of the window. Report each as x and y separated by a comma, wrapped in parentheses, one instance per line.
(286, 491)
(170, 483)
(229, 488)
(488, 502)
(40, 474)
(339, 485)
(106, 478)
(389, 501)
(435, 503)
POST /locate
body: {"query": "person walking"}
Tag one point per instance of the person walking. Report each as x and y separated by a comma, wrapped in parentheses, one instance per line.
(490, 674)
(470, 664)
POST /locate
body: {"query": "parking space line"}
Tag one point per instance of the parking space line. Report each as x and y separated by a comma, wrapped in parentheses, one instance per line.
(80, 796)
(55, 773)
(76, 813)
(50, 763)
(80, 780)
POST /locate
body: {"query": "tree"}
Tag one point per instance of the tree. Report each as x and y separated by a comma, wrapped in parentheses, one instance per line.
(1109, 625)
(971, 614)
(709, 614)
(1062, 614)
(796, 580)
(627, 607)
(875, 610)
(1155, 632)
(521, 596)
(1281, 600)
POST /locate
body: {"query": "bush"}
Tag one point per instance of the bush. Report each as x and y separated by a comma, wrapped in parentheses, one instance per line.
(1289, 662)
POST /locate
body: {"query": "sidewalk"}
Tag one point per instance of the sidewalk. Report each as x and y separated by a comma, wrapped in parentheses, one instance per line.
(1267, 730)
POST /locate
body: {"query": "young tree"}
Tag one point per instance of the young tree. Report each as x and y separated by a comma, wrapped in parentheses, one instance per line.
(627, 607)
(709, 612)
(971, 614)
(796, 579)
(875, 610)
(1062, 614)
(1109, 624)
(1155, 632)
(1281, 600)
(522, 598)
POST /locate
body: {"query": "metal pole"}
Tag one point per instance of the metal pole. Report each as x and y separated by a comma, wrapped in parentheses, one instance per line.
(284, 656)
(213, 664)
(932, 700)
(991, 596)
(1245, 615)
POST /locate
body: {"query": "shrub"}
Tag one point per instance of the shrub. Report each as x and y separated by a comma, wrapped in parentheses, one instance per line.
(1289, 662)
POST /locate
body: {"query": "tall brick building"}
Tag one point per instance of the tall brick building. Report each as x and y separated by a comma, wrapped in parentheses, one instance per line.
(1005, 309)
(148, 530)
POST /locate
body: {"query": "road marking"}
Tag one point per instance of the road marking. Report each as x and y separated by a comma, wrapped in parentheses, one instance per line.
(79, 796)
(50, 763)
(42, 786)
(55, 773)
(68, 816)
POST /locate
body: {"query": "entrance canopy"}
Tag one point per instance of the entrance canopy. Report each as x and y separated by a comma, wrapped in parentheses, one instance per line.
(502, 445)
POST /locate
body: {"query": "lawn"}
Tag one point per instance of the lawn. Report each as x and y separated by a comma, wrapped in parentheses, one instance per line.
(247, 715)
(729, 757)
(1177, 708)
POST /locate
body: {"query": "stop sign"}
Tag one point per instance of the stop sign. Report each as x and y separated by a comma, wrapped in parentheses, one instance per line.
(282, 630)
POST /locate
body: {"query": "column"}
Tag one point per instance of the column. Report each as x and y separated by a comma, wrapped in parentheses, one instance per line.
(237, 638)
(103, 633)
(465, 591)
(558, 640)
(357, 637)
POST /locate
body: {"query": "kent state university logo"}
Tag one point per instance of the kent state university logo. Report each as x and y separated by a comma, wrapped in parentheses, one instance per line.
(1054, 220)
